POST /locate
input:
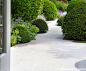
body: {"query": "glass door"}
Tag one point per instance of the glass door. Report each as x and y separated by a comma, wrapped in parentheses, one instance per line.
(1, 25)
(5, 15)
(1, 28)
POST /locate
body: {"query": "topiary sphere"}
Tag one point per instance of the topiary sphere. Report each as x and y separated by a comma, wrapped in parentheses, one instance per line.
(74, 24)
(75, 4)
(27, 9)
(50, 10)
(60, 5)
(60, 20)
(41, 24)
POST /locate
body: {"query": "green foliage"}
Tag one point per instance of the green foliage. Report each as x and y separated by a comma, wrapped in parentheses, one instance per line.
(53, 1)
(18, 39)
(20, 21)
(12, 21)
(13, 40)
(66, 4)
(14, 33)
(44, 1)
(15, 22)
(27, 9)
(50, 10)
(59, 15)
(60, 20)
(74, 24)
(41, 24)
(23, 31)
(33, 28)
(75, 4)
(79, 41)
(60, 5)
(25, 34)
(59, 0)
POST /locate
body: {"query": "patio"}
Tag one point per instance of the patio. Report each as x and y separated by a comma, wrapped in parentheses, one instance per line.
(49, 52)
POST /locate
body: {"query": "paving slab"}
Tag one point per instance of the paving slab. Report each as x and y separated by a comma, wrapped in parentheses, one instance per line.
(49, 52)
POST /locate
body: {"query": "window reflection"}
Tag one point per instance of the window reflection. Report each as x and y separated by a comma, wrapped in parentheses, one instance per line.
(1, 25)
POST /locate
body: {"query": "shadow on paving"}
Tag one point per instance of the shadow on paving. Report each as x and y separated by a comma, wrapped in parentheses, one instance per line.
(81, 65)
(46, 39)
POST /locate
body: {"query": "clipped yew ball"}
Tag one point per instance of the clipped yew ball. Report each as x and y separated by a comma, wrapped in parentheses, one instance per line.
(41, 24)
(50, 10)
(74, 24)
(75, 4)
(60, 20)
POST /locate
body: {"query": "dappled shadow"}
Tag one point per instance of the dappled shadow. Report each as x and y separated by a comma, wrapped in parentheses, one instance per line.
(68, 50)
(67, 55)
(43, 39)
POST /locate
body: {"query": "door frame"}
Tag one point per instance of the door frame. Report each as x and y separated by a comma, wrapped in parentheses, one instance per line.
(5, 56)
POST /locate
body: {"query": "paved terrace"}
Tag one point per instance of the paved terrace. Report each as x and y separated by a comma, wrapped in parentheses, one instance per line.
(49, 52)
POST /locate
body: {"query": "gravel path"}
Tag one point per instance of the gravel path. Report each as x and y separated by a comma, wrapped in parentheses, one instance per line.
(49, 52)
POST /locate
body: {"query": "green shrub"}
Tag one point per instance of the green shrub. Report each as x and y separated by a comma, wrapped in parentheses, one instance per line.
(53, 1)
(27, 9)
(16, 32)
(60, 5)
(58, 0)
(13, 40)
(18, 39)
(49, 10)
(60, 20)
(15, 22)
(41, 24)
(41, 16)
(12, 21)
(74, 24)
(20, 21)
(66, 4)
(25, 33)
(33, 28)
(59, 15)
(44, 1)
(63, 0)
(75, 4)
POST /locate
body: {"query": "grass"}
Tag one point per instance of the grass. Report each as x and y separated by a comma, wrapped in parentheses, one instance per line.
(79, 41)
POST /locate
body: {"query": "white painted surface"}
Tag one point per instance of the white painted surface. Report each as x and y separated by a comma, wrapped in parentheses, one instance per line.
(5, 56)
